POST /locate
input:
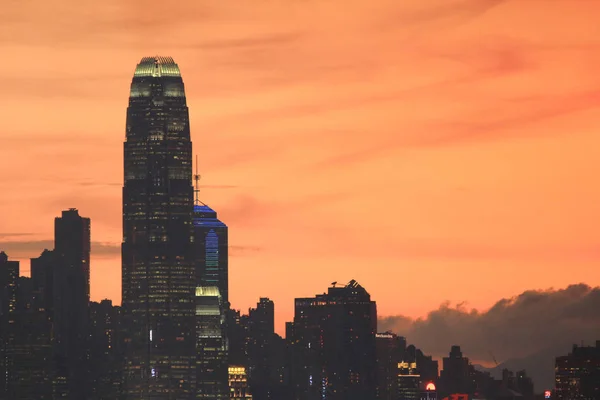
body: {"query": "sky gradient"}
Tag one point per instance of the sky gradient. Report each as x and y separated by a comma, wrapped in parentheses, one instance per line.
(440, 150)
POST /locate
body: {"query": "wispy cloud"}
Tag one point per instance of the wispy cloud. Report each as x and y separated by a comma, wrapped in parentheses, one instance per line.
(21, 249)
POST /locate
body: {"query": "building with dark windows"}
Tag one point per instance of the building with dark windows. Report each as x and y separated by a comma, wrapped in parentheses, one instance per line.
(577, 374)
(9, 274)
(390, 352)
(211, 345)
(333, 345)
(105, 351)
(455, 376)
(259, 342)
(158, 268)
(71, 300)
(29, 358)
(42, 279)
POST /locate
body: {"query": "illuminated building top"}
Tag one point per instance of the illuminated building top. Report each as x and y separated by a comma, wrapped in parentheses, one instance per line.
(157, 67)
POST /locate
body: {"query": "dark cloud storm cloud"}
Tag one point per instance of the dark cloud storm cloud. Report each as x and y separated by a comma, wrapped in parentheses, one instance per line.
(513, 328)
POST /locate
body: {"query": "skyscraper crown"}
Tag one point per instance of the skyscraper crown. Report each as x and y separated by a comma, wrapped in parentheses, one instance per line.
(157, 67)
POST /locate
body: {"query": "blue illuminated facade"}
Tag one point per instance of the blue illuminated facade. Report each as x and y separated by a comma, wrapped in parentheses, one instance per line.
(211, 250)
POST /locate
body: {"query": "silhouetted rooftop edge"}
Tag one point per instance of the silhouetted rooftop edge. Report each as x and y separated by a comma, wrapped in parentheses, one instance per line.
(157, 67)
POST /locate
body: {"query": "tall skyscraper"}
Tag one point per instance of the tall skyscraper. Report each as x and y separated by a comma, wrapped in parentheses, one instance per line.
(211, 250)
(9, 275)
(212, 301)
(71, 300)
(333, 351)
(158, 270)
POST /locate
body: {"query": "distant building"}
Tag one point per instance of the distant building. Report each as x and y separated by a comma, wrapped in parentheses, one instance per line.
(261, 334)
(9, 274)
(238, 383)
(409, 382)
(28, 349)
(106, 369)
(455, 376)
(390, 352)
(71, 300)
(42, 277)
(577, 374)
(334, 352)
(211, 345)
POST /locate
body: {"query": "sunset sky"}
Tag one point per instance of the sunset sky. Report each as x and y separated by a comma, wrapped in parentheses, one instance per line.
(433, 150)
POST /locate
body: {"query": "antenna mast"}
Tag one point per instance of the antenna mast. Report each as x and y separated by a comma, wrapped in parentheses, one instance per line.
(197, 186)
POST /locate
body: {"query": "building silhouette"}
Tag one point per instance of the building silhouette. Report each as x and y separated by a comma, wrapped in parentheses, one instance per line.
(105, 351)
(9, 274)
(29, 348)
(577, 374)
(158, 271)
(71, 301)
(390, 352)
(42, 279)
(333, 345)
(455, 376)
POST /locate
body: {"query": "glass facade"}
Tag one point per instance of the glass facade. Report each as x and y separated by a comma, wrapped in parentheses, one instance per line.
(211, 251)
(158, 271)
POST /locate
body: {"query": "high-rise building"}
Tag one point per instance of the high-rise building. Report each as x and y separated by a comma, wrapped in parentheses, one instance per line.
(261, 335)
(456, 374)
(42, 277)
(333, 350)
(211, 250)
(577, 374)
(105, 351)
(211, 345)
(9, 274)
(71, 296)
(29, 349)
(390, 352)
(158, 269)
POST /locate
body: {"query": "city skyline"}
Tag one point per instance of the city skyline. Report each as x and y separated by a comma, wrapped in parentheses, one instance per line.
(496, 186)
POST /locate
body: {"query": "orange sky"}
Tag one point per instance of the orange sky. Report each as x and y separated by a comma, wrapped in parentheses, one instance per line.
(431, 149)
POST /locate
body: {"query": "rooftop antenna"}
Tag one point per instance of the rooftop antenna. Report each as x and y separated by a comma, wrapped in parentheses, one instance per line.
(197, 179)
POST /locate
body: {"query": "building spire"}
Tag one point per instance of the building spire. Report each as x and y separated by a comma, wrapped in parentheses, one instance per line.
(197, 185)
